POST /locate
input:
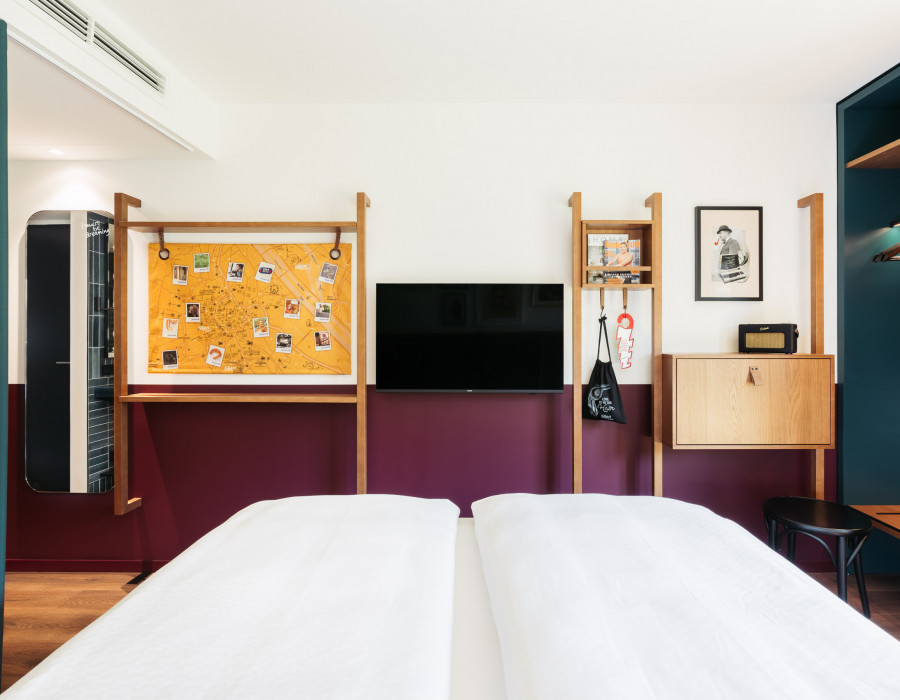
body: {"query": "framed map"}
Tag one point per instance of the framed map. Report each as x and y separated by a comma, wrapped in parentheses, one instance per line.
(250, 309)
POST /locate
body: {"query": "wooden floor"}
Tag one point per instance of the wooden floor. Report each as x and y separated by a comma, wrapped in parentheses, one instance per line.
(44, 610)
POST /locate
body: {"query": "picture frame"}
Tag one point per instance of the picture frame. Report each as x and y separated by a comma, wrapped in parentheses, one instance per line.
(728, 253)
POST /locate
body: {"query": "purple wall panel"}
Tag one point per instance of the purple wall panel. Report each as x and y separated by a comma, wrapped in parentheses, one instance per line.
(197, 464)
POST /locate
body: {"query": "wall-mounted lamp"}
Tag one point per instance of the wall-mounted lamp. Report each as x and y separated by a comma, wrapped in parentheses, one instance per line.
(892, 253)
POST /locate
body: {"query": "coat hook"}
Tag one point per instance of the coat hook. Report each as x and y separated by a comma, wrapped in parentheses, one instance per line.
(335, 253)
(163, 251)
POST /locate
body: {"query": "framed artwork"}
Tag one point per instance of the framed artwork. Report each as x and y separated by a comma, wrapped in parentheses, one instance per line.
(729, 249)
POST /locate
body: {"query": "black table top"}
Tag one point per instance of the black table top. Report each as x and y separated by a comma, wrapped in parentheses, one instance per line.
(818, 517)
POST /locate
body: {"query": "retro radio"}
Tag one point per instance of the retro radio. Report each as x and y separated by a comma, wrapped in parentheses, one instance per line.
(773, 337)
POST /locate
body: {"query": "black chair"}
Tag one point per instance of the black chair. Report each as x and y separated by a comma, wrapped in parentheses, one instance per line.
(815, 519)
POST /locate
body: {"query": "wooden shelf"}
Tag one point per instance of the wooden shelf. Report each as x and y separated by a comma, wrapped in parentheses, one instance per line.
(622, 225)
(619, 268)
(222, 397)
(617, 286)
(154, 226)
(886, 157)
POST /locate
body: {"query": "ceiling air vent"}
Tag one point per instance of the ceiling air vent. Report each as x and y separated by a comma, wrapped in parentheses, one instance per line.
(67, 15)
(129, 59)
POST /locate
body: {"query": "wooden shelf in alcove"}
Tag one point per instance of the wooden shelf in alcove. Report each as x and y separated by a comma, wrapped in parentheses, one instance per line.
(885, 158)
(154, 226)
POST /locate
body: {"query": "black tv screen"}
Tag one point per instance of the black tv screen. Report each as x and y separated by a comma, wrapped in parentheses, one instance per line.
(469, 337)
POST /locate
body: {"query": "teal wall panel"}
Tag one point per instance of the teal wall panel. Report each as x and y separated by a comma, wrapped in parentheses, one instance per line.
(868, 305)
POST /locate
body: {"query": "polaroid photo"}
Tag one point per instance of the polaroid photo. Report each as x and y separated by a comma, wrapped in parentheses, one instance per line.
(170, 359)
(292, 308)
(201, 262)
(328, 273)
(235, 272)
(170, 328)
(323, 340)
(283, 342)
(179, 274)
(323, 312)
(192, 312)
(265, 272)
(261, 327)
(214, 355)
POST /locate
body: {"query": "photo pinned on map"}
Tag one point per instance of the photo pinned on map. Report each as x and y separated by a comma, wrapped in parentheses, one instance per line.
(170, 328)
(328, 273)
(283, 342)
(235, 272)
(292, 308)
(265, 272)
(323, 312)
(179, 274)
(261, 327)
(170, 359)
(214, 355)
(201, 262)
(192, 312)
(323, 340)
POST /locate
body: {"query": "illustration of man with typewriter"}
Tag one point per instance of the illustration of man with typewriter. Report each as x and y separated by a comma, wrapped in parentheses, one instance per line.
(732, 258)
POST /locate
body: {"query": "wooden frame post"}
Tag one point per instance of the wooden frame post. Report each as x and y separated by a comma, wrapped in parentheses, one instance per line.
(362, 201)
(121, 502)
(817, 310)
(654, 202)
(577, 271)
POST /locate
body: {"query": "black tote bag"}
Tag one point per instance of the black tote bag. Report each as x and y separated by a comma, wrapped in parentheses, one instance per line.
(602, 400)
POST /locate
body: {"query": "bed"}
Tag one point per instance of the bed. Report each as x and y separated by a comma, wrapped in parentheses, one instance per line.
(599, 596)
(537, 597)
(345, 597)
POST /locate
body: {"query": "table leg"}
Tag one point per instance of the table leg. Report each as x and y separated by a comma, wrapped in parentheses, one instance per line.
(772, 529)
(842, 568)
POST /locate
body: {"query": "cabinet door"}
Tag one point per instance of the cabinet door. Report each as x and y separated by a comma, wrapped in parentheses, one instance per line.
(718, 402)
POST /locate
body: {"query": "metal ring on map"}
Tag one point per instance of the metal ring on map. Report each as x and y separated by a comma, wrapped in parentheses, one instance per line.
(163, 253)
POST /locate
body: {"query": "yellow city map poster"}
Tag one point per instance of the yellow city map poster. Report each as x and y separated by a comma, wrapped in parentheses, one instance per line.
(250, 309)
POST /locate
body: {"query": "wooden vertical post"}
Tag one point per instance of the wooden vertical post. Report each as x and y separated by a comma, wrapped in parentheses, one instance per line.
(121, 502)
(577, 271)
(362, 201)
(654, 201)
(817, 310)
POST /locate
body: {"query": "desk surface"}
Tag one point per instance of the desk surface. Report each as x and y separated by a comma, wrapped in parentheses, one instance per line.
(886, 518)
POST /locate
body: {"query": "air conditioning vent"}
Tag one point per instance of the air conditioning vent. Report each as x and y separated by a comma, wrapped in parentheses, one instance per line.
(67, 15)
(90, 32)
(129, 59)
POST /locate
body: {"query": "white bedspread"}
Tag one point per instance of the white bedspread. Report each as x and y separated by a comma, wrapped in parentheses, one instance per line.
(626, 598)
(344, 597)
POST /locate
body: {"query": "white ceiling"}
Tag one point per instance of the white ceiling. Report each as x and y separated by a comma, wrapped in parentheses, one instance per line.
(283, 51)
(521, 50)
(48, 109)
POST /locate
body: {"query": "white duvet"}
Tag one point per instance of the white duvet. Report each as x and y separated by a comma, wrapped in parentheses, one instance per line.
(625, 598)
(319, 597)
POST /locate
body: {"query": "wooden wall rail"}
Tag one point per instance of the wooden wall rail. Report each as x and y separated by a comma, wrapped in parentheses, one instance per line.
(123, 503)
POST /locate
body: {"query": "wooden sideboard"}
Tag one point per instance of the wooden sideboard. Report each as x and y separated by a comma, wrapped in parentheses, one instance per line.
(748, 401)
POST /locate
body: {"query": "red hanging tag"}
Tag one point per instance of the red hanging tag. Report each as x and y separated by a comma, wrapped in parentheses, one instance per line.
(626, 342)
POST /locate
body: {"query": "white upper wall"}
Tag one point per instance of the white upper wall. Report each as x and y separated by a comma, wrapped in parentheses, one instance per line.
(479, 193)
(184, 113)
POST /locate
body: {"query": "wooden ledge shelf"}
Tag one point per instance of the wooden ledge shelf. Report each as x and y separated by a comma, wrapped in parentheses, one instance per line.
(623, 225)
(221, 397)
(154, 226)
(619, 268)
(618, 286)
(885, 158)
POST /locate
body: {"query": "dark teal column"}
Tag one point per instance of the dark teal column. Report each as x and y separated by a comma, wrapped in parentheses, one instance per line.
(4, 314)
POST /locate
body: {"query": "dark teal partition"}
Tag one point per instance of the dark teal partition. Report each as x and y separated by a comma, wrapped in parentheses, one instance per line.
(868, 305)
(4, 313)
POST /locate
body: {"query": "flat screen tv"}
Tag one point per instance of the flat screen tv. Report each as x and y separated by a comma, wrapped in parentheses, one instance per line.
(469, 337)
